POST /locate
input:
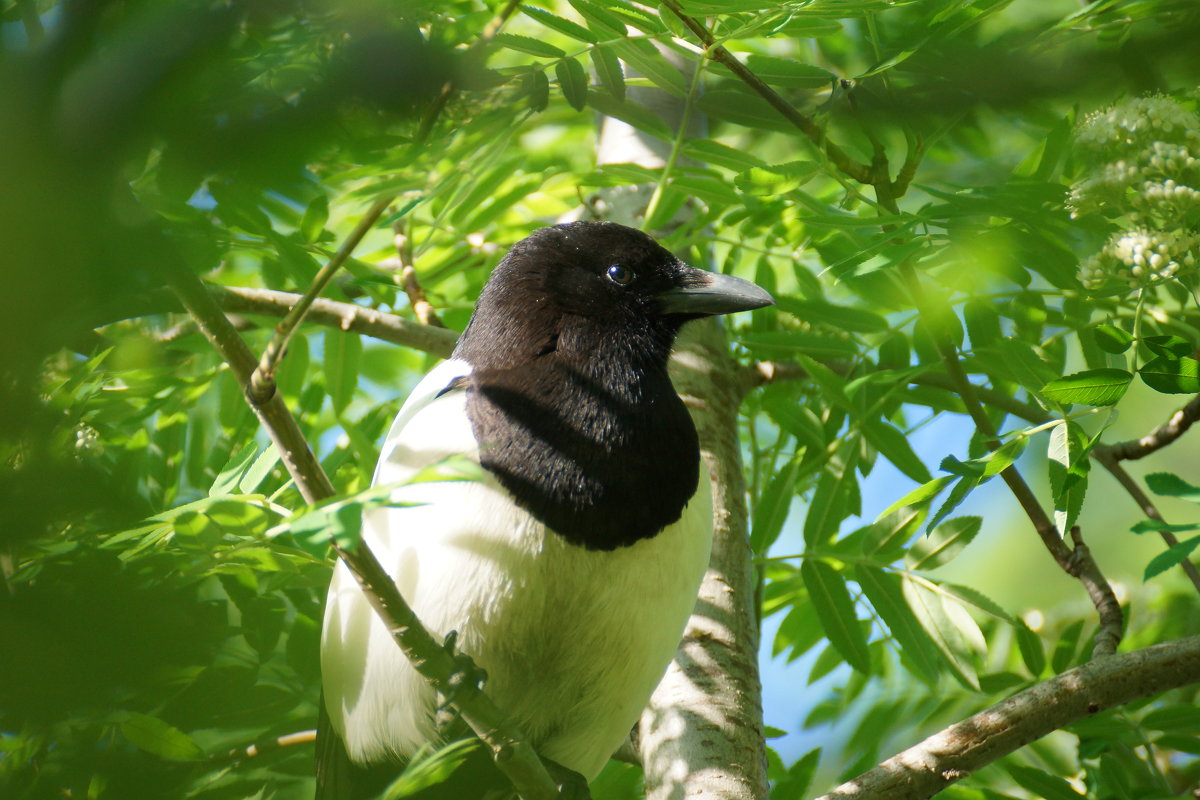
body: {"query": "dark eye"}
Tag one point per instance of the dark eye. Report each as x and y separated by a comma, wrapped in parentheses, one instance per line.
(620, 275)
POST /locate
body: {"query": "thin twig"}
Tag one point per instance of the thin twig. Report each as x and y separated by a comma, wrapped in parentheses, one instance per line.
(956, 752)
(448, 672)
(422, 308)
(344, 316)
(262, 382)
(802, 122)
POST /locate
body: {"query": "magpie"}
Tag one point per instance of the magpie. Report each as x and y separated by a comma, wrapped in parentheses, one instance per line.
(568, 569)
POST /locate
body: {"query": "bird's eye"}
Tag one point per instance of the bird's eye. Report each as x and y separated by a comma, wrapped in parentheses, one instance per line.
(620, 275)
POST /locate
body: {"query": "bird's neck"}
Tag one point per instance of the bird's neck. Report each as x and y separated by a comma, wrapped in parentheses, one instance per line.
(598, 448)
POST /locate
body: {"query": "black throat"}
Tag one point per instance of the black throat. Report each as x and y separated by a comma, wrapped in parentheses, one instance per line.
(596, 445)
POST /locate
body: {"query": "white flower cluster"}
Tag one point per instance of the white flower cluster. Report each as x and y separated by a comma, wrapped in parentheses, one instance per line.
(1141, 257)
(1144, 155)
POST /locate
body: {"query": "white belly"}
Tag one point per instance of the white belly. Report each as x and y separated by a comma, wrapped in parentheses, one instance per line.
(573, 641)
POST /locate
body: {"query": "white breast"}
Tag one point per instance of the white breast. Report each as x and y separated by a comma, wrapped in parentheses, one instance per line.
(573, 641)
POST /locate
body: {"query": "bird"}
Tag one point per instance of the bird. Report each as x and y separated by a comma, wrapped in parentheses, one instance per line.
(567, 567)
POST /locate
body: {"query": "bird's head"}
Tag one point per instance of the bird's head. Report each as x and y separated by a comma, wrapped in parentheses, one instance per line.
(594, 285)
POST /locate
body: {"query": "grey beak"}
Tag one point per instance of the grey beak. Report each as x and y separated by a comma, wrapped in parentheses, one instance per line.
(701, 294)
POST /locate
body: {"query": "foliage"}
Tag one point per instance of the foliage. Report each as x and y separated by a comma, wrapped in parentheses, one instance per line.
(163, 576)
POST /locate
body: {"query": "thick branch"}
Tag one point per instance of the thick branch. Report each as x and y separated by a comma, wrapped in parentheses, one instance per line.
(443, 669)
(956, 752)
(1160, 437)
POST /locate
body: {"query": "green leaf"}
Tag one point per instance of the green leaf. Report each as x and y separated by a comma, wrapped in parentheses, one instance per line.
(1093, 387)
(743, 108)
(772, 509)
(722, 155)
(835, 610)
(794, 785)
(229, 476)
(926, 605)
(1030, 646)
(572, 78)
(528, 44)
(342, 353)
(598, 18)
(1068, 465)
(1170, 375)
(1168, 484)
(1112, 339)
(158, 738)
(608, 70)
(631, 113)
(1170, 346)
(964, 487)
(1043, 784)
(788, 73)
(841, 317)
(1180, 719)
(257, 472)
(944, 543)
(919, 496)
(894, 446)
(1065, 648)
(1154, 525)
(831, 499)
(776, 178)
(817, 345)
(1171, 557)
(886, 595)
(314, 219)
(537, 86)
(647, 61)
(564, 26)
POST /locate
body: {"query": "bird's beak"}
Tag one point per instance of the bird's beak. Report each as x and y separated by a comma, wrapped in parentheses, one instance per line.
(699, 294)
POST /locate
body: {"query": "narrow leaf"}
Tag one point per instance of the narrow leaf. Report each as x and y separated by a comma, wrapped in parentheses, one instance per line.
(1170, 557)
(886, 595)
(158, 738)
(572, 79)
(919, 496)
(1030, 645)
(342, 353)
(608, 70)
(528, 44)
(835, 609)
(944, 543)
(772, 509)
(927, 607)
(1169, 484)
(894, 446)
(565, 26)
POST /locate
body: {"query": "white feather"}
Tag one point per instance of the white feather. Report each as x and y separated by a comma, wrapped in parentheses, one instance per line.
(573, 641)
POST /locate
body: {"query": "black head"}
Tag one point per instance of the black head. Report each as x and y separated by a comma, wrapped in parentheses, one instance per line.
(583, 286)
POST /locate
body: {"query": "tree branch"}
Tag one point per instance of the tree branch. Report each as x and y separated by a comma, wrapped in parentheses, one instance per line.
(446, 671)
(343, 316)
(956, 752)
(421, 306)
(1160, 437)
(262, 381)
